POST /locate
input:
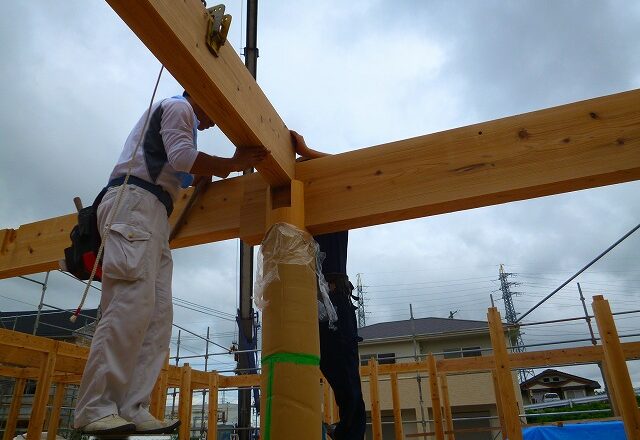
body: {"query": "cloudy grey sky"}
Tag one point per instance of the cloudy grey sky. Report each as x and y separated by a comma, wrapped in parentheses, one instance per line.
(347, 75)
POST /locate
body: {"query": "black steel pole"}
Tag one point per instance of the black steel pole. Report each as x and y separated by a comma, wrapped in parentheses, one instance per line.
(579, 272)
(245, 311)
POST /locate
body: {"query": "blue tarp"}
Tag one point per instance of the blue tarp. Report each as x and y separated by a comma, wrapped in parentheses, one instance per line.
(577, 431)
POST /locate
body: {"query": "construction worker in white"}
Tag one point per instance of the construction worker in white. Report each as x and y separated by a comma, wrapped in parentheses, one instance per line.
(131, 341)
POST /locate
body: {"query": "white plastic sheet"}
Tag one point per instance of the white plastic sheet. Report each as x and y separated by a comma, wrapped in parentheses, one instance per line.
(286, 244)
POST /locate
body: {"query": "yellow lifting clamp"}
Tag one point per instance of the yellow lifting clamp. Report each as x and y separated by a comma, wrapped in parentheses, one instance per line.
(217, 29)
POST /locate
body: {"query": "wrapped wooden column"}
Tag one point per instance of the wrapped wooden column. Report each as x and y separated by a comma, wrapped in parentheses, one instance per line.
(616, 365)
(286, 292)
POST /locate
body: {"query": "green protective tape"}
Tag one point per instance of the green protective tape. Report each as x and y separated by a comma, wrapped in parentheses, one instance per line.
(271, 361)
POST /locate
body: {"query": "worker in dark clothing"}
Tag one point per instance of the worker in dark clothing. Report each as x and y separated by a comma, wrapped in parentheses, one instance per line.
(339, 360)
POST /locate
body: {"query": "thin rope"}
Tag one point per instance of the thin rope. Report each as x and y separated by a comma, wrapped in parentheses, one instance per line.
(114, 211)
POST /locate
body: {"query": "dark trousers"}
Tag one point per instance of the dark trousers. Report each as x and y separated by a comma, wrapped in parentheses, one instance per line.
(340, 363)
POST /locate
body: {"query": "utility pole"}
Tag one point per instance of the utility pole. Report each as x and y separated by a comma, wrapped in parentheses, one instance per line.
(245, 318)
(511, 316)
(362, 319)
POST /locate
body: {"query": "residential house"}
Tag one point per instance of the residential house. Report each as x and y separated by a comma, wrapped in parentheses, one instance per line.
(565, 385)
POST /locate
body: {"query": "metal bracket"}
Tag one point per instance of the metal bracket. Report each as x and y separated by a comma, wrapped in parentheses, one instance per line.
(217, 28)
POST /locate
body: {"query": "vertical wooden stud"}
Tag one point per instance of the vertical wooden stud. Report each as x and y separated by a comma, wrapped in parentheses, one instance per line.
(54, 418)
(335, 411)
(617, 366)
(397, 409)
(513, 430)
(212, 423)
(14, 410)
(435, 397)
(41, 398)
(446, 404)
(376, 418)
(159, 394)
(326, 401)
(184, 406)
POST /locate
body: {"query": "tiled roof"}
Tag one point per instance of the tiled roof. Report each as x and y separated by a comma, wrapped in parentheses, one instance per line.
(423, 327)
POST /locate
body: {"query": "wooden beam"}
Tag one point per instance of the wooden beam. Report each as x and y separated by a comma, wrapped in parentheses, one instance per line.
(576, 146)
(572, 147)
(41, 397)
(446, 405)
(222, 86)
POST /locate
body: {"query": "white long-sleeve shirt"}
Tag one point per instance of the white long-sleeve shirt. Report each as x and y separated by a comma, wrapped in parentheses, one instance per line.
(168, 145)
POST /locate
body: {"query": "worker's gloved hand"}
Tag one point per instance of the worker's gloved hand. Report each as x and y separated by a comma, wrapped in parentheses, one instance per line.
(248, 157)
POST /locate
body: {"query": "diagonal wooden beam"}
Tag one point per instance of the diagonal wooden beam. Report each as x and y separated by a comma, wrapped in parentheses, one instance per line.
(576, 146)
(175, 32)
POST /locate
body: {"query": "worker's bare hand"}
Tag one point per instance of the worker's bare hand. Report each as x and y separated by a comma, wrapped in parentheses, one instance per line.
(248, 157)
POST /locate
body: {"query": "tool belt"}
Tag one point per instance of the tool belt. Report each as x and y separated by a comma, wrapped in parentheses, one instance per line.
(163, 196)
(338, 283)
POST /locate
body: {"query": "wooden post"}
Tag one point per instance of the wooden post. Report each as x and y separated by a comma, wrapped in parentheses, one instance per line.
(448, 418)
(513, 430)
(496, 391)
(159, 394)
(335, 411)
(290, 334)
(376, 418)
(616, 364)
(14, 410)
(184, 406)
(397, 409)
(435, 397)
(54, 418)
(41, 398)
(212, 423)
(326, 401)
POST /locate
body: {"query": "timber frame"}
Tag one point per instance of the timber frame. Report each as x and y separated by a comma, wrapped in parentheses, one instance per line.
(58, 364)
(571, 147)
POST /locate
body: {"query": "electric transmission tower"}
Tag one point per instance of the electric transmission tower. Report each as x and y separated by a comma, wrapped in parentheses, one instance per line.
(362, 320)
(515, 337)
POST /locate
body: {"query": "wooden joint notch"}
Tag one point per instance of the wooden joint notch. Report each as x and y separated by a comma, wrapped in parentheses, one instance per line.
(285, 204)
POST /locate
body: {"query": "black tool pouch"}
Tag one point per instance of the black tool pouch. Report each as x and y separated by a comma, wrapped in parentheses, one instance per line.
(85, 243)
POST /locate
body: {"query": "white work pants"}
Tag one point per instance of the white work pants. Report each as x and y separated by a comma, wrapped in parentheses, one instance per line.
(131, 342)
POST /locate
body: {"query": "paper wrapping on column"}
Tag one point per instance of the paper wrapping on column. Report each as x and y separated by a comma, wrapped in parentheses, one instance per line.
(284, 244)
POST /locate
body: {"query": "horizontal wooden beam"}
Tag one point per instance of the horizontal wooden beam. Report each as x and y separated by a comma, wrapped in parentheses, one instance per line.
(571, 147)
(175, 32)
